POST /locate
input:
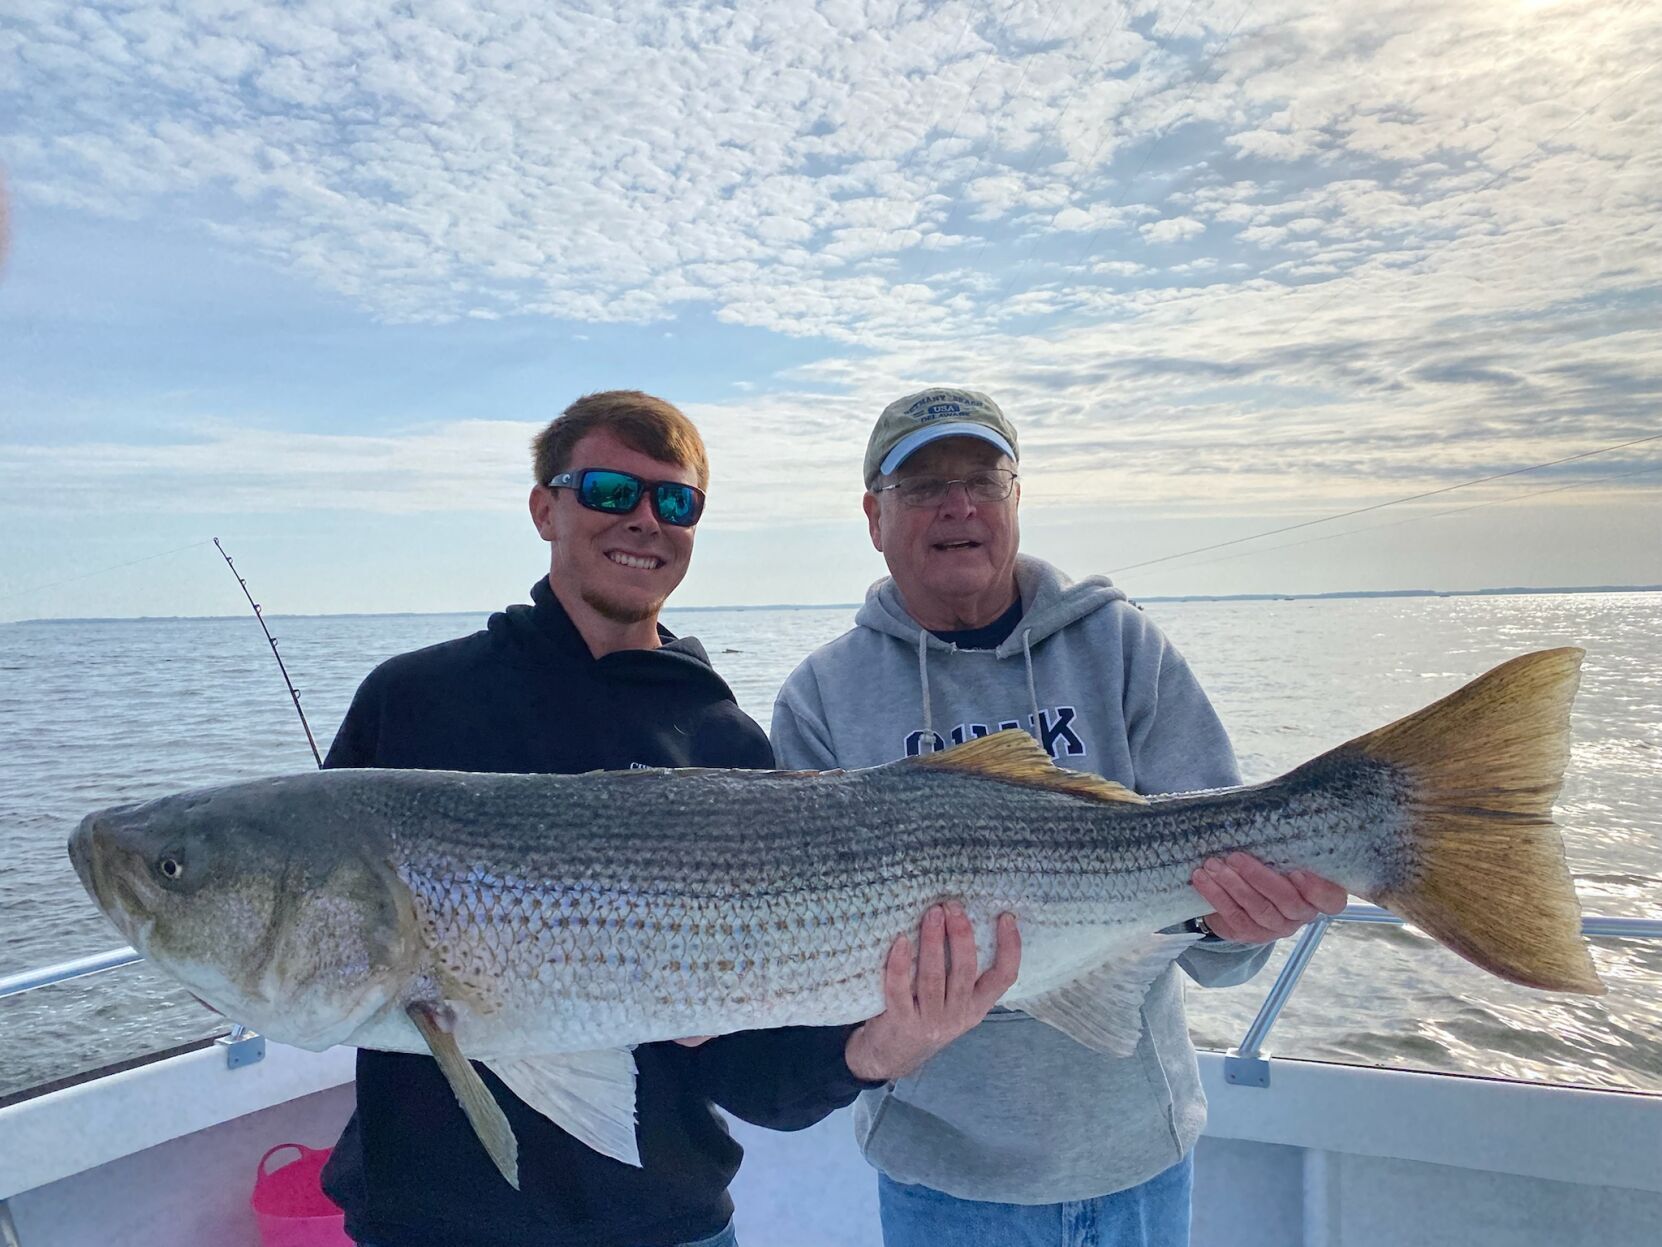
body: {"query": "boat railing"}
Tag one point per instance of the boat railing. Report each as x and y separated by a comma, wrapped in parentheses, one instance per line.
(242, 1046)
(1245, 1065)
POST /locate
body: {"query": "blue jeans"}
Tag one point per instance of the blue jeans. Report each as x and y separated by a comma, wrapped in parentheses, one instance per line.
(1155, 1214)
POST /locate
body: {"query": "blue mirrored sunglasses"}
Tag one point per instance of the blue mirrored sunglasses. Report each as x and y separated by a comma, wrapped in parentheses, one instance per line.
(618, 493)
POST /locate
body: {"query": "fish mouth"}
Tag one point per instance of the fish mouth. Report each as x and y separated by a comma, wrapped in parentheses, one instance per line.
(83, 855)
(89, 852)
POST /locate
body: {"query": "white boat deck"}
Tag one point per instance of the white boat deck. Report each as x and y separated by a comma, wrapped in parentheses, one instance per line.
(1326, 1156)
(1296, 1153)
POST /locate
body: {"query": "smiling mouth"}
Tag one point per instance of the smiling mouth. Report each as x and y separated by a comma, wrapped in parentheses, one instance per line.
(645, 563)
(957, 545)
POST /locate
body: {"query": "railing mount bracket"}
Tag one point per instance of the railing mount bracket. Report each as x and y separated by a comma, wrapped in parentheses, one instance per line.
(242, 1047)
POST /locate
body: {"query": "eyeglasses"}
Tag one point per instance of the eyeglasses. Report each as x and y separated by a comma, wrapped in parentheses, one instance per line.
(619, 493)
(990, 485)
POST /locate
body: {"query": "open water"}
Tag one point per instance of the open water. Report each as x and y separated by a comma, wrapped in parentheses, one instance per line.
(98, 712)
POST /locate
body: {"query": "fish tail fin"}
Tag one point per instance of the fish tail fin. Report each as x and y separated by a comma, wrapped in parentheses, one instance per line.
(1486, 873)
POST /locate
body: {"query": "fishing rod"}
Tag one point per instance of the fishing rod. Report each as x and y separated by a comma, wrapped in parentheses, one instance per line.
(293, 692)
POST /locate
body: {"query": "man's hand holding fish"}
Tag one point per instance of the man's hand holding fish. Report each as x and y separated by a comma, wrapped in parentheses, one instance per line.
(931, 1000)
(1253, 904)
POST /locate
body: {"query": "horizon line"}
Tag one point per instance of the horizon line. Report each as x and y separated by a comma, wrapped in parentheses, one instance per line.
(1338, 594)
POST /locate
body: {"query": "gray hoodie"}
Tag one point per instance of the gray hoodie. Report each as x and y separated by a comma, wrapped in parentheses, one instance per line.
(1015, 1111)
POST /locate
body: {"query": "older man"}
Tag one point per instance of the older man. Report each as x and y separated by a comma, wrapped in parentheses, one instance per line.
(1015, 1134)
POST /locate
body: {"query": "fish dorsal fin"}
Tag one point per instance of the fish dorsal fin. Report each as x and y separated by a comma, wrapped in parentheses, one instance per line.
(589, 1095)
(1014, 757)
(1104, 1009)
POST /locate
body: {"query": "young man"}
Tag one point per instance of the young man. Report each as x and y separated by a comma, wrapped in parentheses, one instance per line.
(1015, 1134)
(585, 678)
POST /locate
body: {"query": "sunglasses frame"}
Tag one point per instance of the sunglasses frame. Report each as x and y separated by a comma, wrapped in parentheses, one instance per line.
(574, 480)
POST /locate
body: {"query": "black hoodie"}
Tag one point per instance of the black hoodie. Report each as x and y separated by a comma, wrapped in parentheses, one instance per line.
(526, 695)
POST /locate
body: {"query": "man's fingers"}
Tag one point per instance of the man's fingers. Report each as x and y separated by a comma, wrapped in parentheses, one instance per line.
(1006, 964)
(931, 988)
(960, 936)
(897, 978)
(1280, 890)
(1324, 894)
(1259, 908)
(1233, 922)
(1252, 906)
(1210, 889)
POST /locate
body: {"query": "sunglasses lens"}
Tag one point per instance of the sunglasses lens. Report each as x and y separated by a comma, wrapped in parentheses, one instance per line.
(617, 492)
(680, 505)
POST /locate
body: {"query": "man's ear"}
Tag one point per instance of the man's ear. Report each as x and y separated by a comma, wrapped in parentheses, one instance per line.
(874, 509)
(542, 511)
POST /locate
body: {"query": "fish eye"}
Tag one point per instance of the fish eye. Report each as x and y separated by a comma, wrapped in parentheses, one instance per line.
(172, 868)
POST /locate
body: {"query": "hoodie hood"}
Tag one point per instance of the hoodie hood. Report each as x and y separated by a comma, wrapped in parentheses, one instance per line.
(543, 633)
(1050, 602)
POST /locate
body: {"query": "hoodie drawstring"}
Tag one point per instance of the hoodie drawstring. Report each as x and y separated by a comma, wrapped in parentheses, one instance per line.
(923, 679)
(928, 743)
(1032, 685)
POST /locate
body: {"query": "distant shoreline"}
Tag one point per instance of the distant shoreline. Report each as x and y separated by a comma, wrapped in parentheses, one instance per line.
(1514, 591)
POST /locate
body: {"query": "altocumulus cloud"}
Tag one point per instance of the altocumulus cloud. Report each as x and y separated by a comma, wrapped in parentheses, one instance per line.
(1287, 245)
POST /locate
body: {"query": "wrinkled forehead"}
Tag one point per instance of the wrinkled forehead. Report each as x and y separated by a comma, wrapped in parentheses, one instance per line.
(952, 455)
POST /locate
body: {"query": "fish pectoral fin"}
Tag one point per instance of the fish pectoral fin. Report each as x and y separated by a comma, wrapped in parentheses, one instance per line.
(483, 1112)
(589, 1095)
(1013, 757)
(1103, 1009)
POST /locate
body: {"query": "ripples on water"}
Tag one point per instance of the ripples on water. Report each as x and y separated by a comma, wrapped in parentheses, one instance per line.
(94, 713)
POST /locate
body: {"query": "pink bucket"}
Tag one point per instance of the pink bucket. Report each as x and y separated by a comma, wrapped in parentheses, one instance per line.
(290, 1205)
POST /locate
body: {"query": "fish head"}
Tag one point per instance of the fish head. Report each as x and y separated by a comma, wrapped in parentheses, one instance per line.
(268, 901)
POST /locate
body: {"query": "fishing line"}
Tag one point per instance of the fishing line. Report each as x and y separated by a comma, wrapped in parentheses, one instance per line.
(293, 692)
(935, 112)
(1335, 294)
(1379, 506)
(1415, 519)
(1582, 116)
(69, 580)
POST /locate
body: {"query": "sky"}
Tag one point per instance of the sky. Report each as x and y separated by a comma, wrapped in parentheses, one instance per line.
(308, 276)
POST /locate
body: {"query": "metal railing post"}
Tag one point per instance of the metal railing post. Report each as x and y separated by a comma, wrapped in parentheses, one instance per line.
(1242, 1066)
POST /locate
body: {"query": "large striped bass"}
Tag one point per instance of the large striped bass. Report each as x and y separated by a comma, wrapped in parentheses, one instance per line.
(542, 924)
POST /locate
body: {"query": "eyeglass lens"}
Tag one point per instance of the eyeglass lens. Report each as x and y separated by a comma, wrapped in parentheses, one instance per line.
(989, 486)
